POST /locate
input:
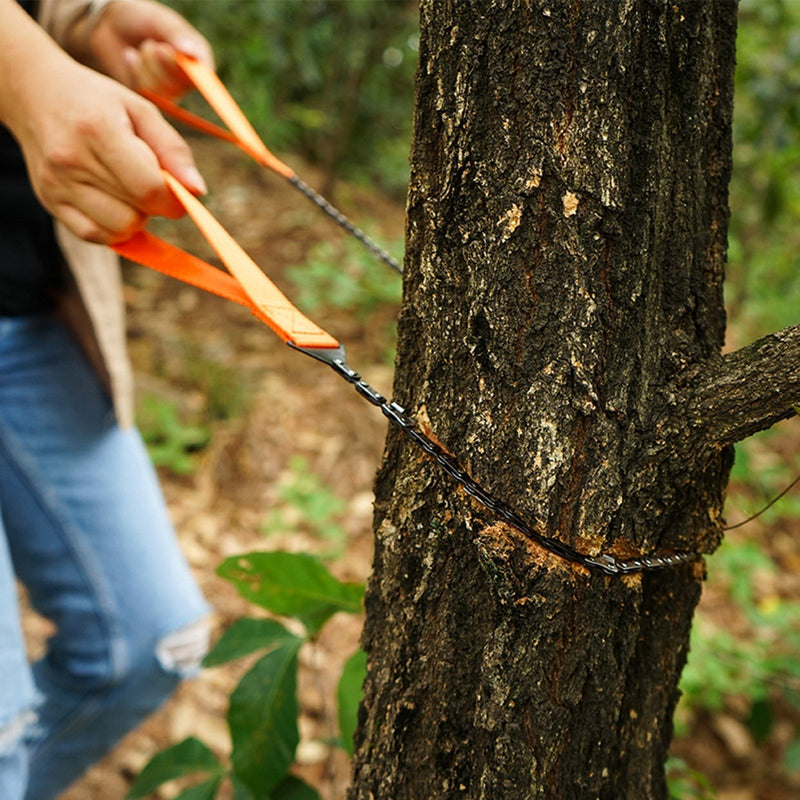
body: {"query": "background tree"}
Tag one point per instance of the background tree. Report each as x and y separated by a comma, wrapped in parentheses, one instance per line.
(561, 333)
(329, 79)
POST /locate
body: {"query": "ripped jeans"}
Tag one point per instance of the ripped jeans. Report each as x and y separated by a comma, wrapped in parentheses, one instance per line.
(84, 527)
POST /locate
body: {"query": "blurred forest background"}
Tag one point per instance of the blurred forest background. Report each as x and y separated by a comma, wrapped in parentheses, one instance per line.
(258, 450)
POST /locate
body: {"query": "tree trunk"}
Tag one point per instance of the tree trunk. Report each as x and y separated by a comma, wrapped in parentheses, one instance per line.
(560, 334)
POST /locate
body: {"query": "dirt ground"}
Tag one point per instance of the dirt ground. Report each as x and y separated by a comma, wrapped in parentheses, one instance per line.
(294, 408)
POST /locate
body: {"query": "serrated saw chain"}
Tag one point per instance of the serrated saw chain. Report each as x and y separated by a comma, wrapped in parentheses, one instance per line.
(248, 285)
(397, 416)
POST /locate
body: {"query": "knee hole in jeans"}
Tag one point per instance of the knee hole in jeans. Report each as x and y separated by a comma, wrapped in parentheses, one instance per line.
(12, 732)
(181, 652)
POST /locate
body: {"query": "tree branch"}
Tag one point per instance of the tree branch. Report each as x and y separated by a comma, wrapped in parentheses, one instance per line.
(750, 389)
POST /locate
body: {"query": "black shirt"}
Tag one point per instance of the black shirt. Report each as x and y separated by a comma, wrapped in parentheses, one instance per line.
(29, 256)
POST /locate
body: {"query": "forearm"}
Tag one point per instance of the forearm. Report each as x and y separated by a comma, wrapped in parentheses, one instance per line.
(27, 56)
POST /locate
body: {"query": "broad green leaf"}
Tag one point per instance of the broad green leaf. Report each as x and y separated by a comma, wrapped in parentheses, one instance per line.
(246, 636)
(262, 718)
(201, 791)
(349, 696)
(292, 788)
(240, 790)
(185, 758)
(292, 584)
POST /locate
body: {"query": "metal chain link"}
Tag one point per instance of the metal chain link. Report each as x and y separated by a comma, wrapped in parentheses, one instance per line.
(341, 220)
(335, 358)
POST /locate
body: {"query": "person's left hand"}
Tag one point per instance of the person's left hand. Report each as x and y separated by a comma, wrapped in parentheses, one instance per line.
(134, 42)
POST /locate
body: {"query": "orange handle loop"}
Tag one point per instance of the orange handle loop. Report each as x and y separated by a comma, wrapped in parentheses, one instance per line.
(246, 284)
(240, 131)
(181, 114)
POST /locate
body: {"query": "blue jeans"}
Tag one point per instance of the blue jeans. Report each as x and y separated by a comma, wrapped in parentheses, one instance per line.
(84, 527)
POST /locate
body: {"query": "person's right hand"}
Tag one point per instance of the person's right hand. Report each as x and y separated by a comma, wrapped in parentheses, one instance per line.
(95, 151)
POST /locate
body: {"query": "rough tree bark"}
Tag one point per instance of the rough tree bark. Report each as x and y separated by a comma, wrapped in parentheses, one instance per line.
(561, 334)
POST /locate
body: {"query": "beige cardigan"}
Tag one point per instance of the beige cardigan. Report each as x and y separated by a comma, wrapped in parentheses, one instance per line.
(93, 306)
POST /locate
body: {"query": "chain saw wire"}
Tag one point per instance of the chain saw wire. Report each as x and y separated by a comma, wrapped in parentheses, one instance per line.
(397, 415)
(248, 285)
(242, 134)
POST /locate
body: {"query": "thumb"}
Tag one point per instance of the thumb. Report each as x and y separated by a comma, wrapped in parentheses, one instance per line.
(194, 45)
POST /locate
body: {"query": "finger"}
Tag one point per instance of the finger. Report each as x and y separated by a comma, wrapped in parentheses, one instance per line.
(135, 156)
(158, 71)
(167, 26)
(82, 226)
(196, 47)
(172, 152)
(117, 163)
(98, 217)
(177, 32)
(108, 156)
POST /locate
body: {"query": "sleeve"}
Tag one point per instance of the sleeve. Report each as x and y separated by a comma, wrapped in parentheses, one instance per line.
(31, 6)
(58, 16)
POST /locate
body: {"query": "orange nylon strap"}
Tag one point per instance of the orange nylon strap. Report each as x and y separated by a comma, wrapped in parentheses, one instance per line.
(181, 114)
(248, 286)
(241, 131)
(150, 251)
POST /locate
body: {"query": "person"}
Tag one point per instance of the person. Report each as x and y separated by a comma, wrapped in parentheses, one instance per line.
(83, 524)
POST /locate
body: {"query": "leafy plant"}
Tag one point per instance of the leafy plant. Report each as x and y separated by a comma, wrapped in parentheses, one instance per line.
(222, 387)
(760, 666)
(330, 80)
(343, 277)
(687, 784)
(763, 287)
(171, 441)
(346, 277)
(306, 503)
(263, 710)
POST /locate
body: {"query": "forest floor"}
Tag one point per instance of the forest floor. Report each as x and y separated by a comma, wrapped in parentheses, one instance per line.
(293, 418)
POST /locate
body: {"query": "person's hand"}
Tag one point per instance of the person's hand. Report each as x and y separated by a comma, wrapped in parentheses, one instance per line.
(95, 150)
(135, 43)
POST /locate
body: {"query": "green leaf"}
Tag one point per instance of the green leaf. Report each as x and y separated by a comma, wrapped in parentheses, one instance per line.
(201, 791)
(684, 783)
(185, 758)
(761, 719)
(240, 791)
(292, 584)
(791, 758)
(349, 696)
(262, 718)
(246, 636)
(292, 788)
(170, 442)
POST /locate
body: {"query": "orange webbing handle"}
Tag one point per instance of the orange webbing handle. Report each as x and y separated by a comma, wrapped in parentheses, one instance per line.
(246, 284)
(217, 96)
(150, 251)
